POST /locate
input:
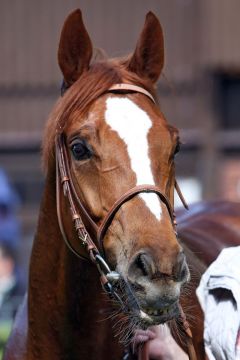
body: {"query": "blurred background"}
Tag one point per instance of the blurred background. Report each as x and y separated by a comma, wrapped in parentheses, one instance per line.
(199, 93)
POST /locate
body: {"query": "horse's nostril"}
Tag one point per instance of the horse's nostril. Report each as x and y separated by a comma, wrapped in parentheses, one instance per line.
(184, 272)
(181, 268)
(141, 264)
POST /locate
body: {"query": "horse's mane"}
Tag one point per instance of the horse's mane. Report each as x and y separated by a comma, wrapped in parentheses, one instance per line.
(91, 85)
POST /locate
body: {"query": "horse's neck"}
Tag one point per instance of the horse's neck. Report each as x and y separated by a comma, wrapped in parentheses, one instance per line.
(65, 298)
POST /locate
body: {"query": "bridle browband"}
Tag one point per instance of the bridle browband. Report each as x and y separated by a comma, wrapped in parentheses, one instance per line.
(87, 229)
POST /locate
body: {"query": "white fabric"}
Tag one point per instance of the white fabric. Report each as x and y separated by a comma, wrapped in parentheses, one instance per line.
(238, 347)
(219, 296)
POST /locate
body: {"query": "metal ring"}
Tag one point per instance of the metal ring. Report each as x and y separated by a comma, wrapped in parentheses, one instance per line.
(102, 264)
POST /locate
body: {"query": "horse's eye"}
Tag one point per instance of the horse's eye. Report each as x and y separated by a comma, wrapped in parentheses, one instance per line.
(177, 148)
(80, 150)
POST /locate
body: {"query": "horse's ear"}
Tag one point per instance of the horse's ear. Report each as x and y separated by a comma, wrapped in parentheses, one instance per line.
(148, 57)
(75, 48)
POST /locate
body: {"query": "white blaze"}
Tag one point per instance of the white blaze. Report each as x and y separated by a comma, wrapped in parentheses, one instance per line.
(132, 125)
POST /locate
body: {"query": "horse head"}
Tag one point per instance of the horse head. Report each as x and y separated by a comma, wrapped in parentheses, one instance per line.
(117, 141)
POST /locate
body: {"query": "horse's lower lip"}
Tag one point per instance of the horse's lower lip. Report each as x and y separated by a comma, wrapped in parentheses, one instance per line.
(158, 316)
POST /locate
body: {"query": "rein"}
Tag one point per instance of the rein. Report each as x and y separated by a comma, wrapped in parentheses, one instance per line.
(87, 230)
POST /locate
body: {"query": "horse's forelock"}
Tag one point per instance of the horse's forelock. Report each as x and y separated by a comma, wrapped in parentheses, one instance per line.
(90, 86)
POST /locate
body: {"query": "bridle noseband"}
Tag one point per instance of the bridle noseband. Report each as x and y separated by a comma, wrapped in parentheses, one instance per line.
(87, 230)
(125, 198)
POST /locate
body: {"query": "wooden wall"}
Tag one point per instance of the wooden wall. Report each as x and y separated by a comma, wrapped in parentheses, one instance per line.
(29, 33)
(199, 35)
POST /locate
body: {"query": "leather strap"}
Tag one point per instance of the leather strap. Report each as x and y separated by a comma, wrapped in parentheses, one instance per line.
(130, 87)
(143, 352)
(88, 221)
(186, 328)
(63, 175)
(181, 197)
(123, 199)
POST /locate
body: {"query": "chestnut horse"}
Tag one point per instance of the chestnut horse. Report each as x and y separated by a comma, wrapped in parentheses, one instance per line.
(209, 227)
(111, 147)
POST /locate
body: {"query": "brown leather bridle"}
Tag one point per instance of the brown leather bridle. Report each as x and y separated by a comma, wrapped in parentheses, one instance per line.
(86, 228)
